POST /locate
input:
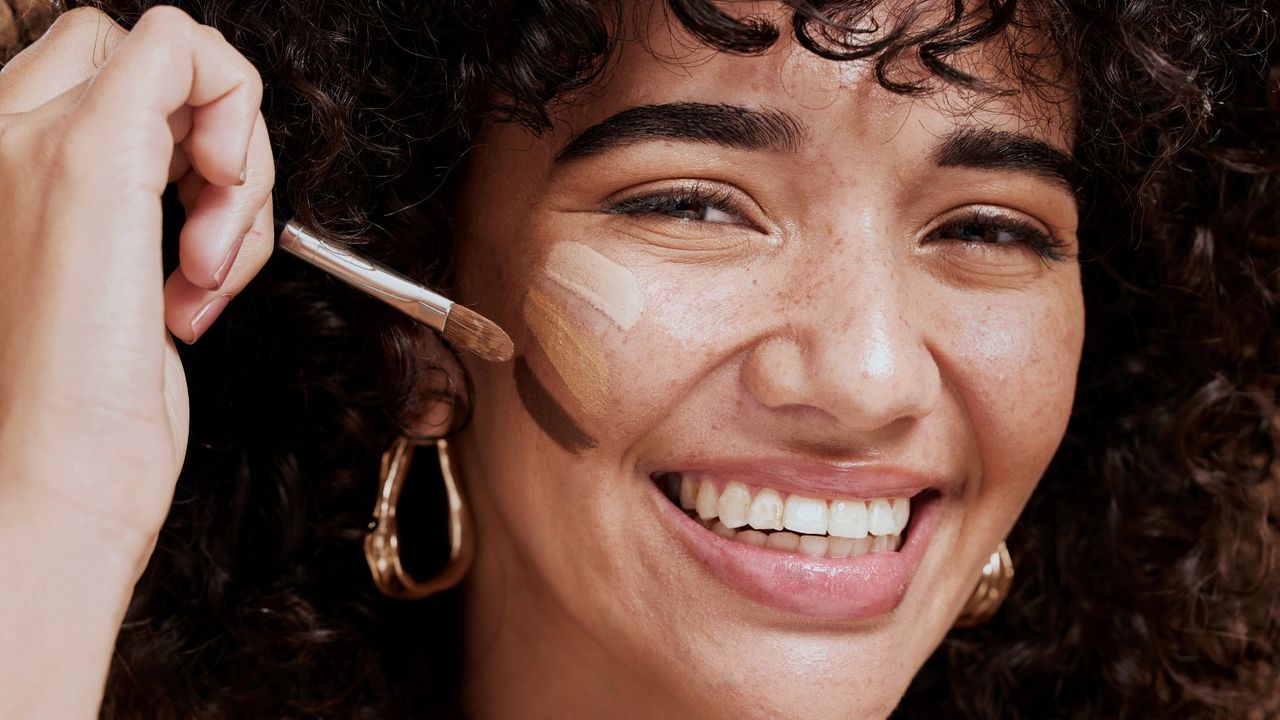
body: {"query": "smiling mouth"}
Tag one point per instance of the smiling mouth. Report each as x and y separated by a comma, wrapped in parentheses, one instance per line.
(789, 522)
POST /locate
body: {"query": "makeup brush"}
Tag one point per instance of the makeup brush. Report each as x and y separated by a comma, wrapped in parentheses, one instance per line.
(459, 325)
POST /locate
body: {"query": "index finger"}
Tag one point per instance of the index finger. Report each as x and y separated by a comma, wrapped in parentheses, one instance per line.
(169, 61)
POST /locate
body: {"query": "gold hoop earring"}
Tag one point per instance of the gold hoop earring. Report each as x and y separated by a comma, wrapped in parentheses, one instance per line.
(382, 544)
(993, 586)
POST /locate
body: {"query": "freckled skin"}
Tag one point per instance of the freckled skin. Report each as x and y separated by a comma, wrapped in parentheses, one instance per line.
(846, 337)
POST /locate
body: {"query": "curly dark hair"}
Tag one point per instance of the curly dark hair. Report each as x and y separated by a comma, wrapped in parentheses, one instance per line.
(1147, 571)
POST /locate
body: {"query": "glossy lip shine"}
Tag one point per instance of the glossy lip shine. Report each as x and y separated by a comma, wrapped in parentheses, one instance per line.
(845, 589)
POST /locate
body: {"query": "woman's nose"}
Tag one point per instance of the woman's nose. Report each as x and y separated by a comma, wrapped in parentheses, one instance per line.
(855, 349)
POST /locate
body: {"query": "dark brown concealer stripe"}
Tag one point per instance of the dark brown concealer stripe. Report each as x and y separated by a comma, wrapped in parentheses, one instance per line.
(549, 414)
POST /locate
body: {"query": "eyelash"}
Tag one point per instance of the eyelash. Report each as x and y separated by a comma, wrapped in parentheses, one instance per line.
(980, 223)
(663, 202)
(977, 222)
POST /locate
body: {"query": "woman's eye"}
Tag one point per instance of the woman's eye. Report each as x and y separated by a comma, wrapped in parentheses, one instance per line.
(696, 209)
(982, 233)
(983, 229)
(694, 204)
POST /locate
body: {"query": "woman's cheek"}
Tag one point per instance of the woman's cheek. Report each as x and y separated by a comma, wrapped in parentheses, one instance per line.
(695, 319)
(1012, 361)
(596, 351)
(611, 325)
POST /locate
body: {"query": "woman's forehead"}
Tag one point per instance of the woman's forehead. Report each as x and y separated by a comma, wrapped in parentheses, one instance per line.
(659, 61)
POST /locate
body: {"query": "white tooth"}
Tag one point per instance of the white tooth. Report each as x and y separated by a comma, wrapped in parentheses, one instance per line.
(688, 492)
(861, 546)
(723, 531)
(813, 545)
(735, 502)
(782, 541)
(708, 501)
(882, 543)
(752, 537)
(901, 508)
(879, 516)
(805, 515)
(766, 511)
(848, 519)
(897, 542)
(840, 547)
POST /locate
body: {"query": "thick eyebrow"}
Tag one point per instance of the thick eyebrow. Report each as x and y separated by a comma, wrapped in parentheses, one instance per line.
(988, 149)
(744, 128)
(732, 126)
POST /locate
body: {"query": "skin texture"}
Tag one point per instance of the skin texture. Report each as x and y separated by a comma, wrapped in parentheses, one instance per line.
(818, 325)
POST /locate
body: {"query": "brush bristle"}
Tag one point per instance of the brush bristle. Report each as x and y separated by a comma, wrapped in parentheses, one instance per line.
(471, 330)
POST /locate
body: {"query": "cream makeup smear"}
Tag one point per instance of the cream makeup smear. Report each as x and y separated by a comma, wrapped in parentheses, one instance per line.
(573, 349)
(603, 283)
(573, 352)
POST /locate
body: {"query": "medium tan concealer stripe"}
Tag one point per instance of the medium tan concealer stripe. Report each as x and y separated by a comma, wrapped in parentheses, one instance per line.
(573, 352)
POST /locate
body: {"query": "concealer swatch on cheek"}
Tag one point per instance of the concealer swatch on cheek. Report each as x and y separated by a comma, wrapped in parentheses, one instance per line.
(575, 354)
(546, 412)
(603, 283)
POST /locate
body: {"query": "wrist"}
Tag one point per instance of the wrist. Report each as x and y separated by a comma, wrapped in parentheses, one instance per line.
(68, 584)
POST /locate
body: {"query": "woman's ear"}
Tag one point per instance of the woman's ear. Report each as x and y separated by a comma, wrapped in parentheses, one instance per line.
(435, 392)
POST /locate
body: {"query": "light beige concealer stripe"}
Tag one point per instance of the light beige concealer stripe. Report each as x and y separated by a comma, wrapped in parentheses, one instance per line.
(572, 350)
(603, 283)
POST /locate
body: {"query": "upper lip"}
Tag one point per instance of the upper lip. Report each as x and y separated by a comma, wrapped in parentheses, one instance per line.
(815, 477)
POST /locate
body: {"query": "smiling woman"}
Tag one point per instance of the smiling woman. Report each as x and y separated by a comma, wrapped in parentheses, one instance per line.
(871, 359)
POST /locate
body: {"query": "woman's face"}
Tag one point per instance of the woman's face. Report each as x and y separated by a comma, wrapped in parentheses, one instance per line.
(816, 309)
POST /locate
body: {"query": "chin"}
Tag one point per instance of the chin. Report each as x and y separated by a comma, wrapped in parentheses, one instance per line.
(803, 609)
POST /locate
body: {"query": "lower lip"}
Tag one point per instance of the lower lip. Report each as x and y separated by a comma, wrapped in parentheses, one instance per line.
(856, 588)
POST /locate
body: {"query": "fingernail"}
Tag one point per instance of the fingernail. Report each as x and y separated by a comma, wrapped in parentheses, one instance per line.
(244, 164)
(207, 315)
(221, 273)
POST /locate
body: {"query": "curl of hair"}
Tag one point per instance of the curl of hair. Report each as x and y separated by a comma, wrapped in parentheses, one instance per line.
(1147, 572)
